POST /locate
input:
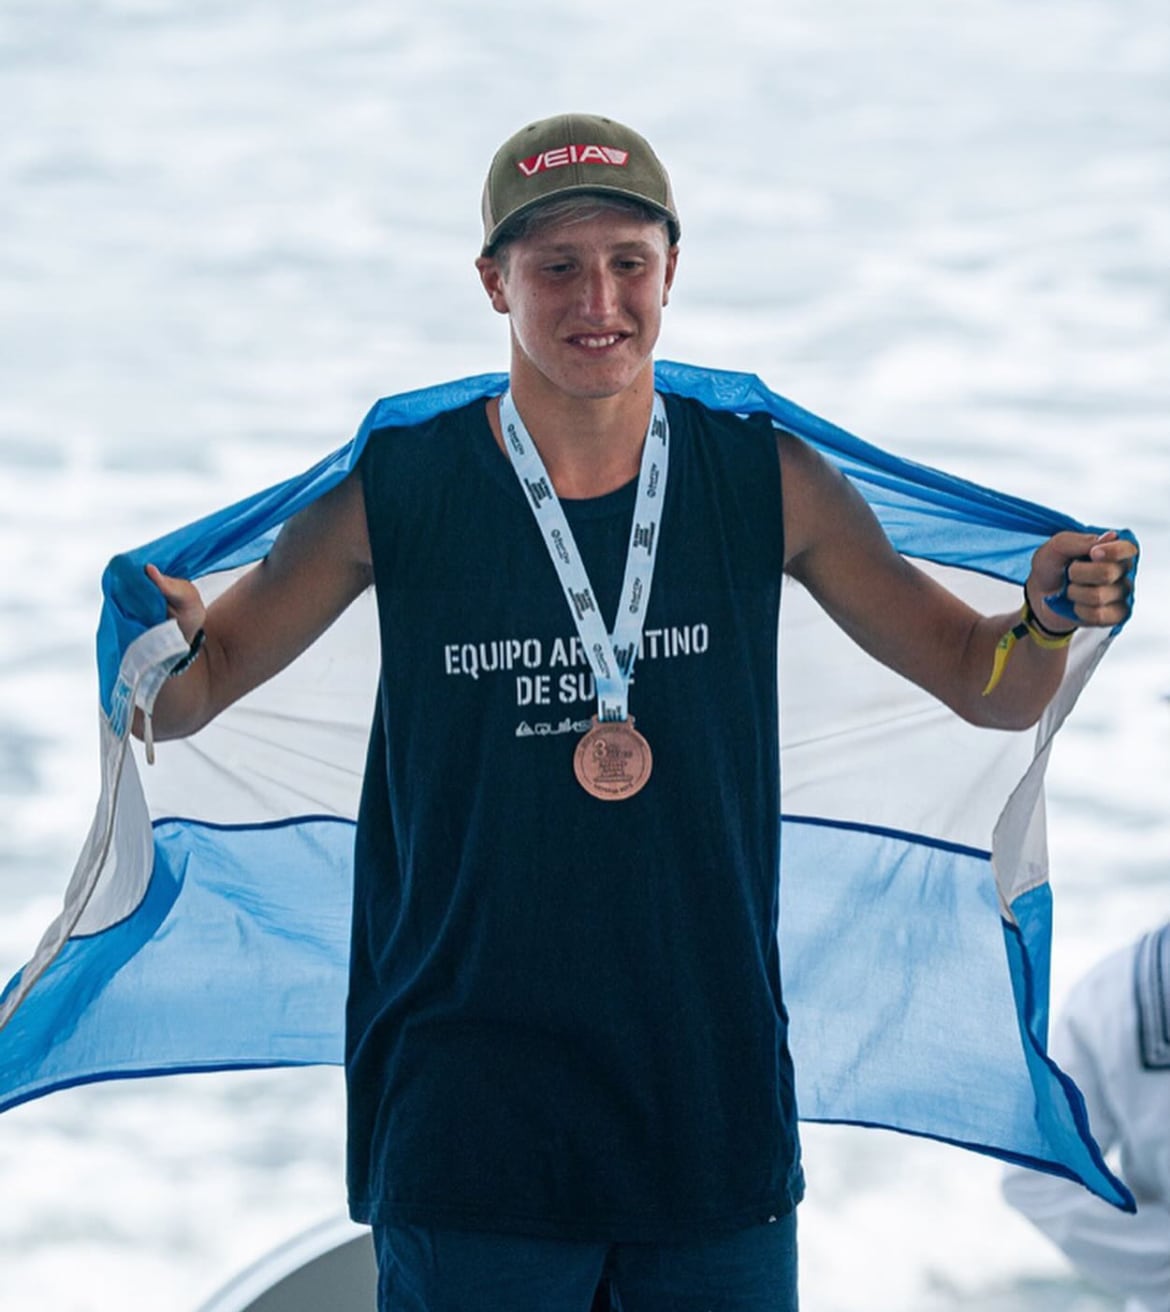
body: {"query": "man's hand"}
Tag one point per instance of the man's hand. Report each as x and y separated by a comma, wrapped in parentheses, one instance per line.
(1099, 573)
(184, 604)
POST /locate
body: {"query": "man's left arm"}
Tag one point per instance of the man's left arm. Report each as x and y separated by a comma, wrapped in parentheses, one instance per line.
(910, 622)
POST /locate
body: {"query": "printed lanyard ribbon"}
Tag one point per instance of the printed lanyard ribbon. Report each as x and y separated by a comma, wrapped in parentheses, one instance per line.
(610, 656)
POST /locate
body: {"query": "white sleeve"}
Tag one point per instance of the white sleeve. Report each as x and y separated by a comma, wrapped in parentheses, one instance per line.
(1126, 1255)
(1094, 1042)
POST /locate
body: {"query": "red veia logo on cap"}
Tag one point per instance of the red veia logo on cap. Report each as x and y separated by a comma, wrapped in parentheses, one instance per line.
(559, 156)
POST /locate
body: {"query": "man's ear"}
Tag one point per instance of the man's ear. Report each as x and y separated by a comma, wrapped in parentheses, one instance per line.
(671, 267)
(492, 277)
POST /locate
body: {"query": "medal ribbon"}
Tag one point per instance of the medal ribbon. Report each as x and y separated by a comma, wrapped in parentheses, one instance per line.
(610, 656)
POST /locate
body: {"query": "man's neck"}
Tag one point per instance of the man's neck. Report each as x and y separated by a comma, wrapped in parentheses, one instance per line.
(589, 445)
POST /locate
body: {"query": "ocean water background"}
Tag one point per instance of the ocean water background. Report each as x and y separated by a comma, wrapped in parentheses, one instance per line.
(226, 228)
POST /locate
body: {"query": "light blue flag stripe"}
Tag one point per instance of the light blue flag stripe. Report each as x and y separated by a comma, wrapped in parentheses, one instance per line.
(251, 971)
(882, 1037)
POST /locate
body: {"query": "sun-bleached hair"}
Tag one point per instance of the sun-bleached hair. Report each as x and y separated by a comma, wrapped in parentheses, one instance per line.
(572, 209)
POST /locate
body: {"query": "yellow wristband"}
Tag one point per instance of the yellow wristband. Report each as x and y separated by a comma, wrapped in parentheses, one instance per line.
(1027, 626)
(1040, 633)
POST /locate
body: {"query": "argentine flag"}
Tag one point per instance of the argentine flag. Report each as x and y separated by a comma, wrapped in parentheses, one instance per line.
(206, 923)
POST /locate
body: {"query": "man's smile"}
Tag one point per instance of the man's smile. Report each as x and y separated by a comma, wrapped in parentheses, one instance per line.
(596, 342)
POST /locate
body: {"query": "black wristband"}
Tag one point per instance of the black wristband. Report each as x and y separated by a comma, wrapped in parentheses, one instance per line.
(1031, 617)
(184, 663)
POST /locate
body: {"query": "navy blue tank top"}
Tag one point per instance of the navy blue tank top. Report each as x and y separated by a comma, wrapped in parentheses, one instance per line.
(565, 1015)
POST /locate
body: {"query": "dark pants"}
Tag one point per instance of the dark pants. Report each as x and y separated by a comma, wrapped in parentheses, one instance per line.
(421, 1270)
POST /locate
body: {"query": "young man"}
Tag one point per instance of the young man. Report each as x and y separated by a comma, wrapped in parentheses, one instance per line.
(567, 1043)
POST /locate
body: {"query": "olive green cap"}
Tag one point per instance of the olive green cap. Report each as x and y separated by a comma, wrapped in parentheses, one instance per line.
(582, 153)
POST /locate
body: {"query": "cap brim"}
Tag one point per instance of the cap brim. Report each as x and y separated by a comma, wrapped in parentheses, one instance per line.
(578, 189)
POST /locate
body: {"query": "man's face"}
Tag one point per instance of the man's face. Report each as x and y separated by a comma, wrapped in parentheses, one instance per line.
(585, 301)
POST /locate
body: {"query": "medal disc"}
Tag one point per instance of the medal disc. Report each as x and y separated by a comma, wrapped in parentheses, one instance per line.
(612, 760)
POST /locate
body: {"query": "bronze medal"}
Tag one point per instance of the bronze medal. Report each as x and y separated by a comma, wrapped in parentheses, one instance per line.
(612, 760)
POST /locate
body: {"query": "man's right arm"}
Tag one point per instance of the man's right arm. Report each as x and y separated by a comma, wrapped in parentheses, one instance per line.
(319, 563)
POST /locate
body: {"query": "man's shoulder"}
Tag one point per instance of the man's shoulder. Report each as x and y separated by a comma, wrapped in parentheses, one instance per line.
(423, 444)
(705, 417)
(443, 423)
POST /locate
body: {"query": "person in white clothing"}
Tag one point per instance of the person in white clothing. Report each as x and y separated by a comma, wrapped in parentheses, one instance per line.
(1113, 1038)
